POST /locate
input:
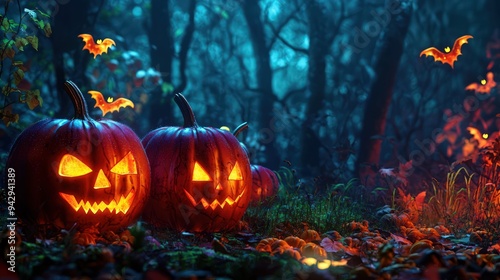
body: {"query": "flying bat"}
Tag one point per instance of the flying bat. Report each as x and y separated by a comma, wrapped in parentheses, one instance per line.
(485, 86)
(450, 55)
(96, 48)
(109, 106)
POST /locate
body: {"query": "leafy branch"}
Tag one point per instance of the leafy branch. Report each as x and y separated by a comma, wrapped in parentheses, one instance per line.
(15, 37)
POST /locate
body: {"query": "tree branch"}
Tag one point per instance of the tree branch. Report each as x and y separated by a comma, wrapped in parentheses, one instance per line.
(277, 30)
(291, 93)
(331, 36)
(288, 44)
(185, 44)
(244, 74)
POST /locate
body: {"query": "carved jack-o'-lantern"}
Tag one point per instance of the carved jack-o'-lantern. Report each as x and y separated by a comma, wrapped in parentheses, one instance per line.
(201, 176)
(92, 173)
(265, 183)
(70, 166)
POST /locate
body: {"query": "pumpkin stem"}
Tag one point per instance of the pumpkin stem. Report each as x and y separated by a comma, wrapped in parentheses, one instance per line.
(186, 110)
(240, 128)
(76, 96)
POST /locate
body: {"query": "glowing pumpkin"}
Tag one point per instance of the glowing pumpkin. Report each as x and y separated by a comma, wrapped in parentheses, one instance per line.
(200, 176)
(265, 183)
(79, 171)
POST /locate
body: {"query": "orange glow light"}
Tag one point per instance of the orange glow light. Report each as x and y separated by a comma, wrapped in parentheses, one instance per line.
(123, 205)
(126, 165)
(214, 203)
(199, 174)
(101, 182)
(70, 166)
(236, 173)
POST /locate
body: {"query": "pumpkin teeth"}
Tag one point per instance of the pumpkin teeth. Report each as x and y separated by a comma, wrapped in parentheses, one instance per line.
(214, 203)
(122, 206)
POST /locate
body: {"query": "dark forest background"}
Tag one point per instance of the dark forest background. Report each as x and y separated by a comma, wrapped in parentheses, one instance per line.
(334, 89)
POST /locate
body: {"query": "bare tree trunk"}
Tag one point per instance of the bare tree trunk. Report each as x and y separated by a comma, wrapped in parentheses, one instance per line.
(71, 19)
(252, 12)
(318, 49)
(161, 54)
(380, 95)
(185, 45)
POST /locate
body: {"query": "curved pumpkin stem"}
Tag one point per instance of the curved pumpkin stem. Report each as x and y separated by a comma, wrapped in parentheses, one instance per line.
(186, 110)
(76, 96)
(240, 128)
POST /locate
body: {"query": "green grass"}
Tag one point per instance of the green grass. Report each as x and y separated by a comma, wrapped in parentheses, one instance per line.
(297, 206)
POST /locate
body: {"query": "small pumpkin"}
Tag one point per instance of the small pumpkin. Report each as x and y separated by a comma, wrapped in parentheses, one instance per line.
(413, 234)
(79, 171)
(309, 235)
(291, 252)
(265, 244)
(420, 246)
(280, 245)
(201, 176)
(295, 241)
(265, 183)
(312, 250)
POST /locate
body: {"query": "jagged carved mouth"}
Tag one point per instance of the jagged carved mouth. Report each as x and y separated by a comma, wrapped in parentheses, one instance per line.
(123, 204)
(214, 203)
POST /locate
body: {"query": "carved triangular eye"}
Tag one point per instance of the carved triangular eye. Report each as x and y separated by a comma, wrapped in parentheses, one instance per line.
(236, 173)
(126, 165)
(70, 166)
(199, 174)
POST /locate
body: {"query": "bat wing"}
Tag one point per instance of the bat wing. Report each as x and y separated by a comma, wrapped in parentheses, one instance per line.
(483, 89)
(105, 44)
(457, 46)
(120, 103)
(432, 51)
(90, 44)
(457, 49)
(478, 136)
(88, 40)
(490, 80)
(436, 54)
(108, 43)
(99, 101)
(472, 86)
(474, 132)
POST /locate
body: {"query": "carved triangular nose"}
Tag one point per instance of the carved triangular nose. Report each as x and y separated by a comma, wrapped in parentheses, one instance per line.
(101, 182)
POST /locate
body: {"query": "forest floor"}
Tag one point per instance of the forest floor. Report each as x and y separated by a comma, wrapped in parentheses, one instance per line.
(298, 234)
(363, 253)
